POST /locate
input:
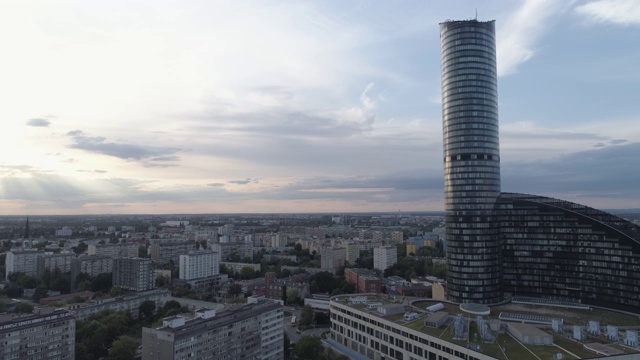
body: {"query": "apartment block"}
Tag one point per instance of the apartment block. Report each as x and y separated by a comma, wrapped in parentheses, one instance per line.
(199, 264)
(384, 257)
(331, 259)
(23, 261)
(46, 334)
(164, 253)
(242, 249)
(133, 274)
(114, 250)
(60, 261)
(253, 331)
(129, 302)
(92, 265)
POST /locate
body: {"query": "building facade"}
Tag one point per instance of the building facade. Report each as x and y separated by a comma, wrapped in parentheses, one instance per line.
(506, 244)
(254, 331)
(23, 261)
(471, 160)
(129, 302)
(331, 259)
(199, 264)
(60, 261)
(133, 274)
(114, 250)
(376, 337)
(92, 265)
(384, 257)
(167, 252)
(46, 334)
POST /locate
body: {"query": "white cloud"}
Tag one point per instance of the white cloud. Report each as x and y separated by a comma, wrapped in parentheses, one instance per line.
(519, 36)
(623, 12)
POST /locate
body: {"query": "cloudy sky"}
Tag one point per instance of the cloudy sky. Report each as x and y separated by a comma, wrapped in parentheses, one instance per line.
(302, 106)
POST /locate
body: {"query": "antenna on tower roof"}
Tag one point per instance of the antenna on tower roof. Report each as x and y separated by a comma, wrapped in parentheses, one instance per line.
(476, 14)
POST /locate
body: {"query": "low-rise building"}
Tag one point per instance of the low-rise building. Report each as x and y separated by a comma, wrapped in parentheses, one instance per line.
(129, 302)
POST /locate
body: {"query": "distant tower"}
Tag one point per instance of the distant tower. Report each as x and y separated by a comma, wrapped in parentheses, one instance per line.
(471, 160)
(27, 235)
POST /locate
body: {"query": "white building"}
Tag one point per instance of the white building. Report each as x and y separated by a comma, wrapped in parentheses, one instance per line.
(65, 231)
(384, 257)
(199, 264)
(23, 261)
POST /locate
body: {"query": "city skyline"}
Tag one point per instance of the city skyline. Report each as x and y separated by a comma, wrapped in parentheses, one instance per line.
(307, 107)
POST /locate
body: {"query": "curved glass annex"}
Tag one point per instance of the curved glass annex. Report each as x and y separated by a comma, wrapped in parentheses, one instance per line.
(561, 250)
(471, 161)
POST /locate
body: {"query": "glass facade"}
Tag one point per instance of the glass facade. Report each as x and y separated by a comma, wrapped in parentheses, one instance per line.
(471, 161)
(561, 250)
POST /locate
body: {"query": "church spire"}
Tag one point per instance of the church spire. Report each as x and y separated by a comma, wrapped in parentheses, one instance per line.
(27, 235)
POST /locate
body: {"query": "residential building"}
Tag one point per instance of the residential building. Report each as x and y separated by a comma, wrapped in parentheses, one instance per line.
(129, 302)
(92, 265)
(365, 280)
(384, 257)
(25, 261)
(237, 267)
(65, 231)
(166, 252)
(133, 274)
(48, 333)
(352, 252)
(113, 250)
(397, 237)
(61, 261)
(199, 264)
(332, 259)
(226, 250)
(253, 331)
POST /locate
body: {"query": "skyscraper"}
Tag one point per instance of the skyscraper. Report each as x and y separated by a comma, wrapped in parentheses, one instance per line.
(471, 160)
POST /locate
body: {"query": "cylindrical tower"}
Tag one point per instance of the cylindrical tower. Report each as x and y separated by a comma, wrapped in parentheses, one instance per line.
(471, 160)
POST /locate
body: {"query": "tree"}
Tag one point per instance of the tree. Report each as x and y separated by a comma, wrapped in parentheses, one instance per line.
(325, 281)
(116, 291)
(142, 251)
(235, 289)
(24, 308)
(292, 296)
(123, 348)
(306, 316)
(39, 293)
(170, 305)
(81, 248)
(146, 309)
(309, 347)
